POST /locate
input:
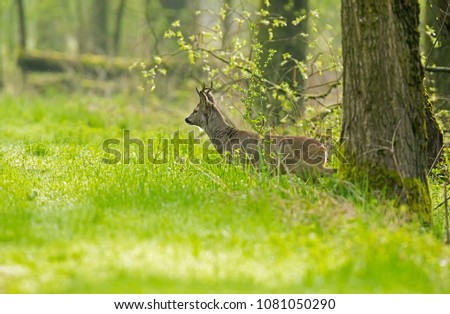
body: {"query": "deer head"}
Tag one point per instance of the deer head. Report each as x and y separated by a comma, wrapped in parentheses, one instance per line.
(200, 115)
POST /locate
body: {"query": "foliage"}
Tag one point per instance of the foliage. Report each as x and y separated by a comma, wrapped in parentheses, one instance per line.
(71, 224)
(238, 63)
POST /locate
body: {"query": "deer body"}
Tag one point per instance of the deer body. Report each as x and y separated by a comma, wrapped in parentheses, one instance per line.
(283, 154)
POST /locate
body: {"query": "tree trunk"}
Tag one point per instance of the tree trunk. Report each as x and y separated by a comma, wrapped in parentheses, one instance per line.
(99, 27)
(81, 27)
(227, 24)
(173, 4)
(22, 28)
(384, 118)
(22, 35)
(287, 39)
(435, 137)
(118, 26)
(437, 82)
(438, 17)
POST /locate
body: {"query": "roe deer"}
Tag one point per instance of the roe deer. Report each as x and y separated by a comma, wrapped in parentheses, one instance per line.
(299, 155)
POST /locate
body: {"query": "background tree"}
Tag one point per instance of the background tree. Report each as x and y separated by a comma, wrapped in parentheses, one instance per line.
(227, 23)
(99, 27)
(118, 26)
(384, 108)
(22, 27)
(437, 48)
(289, 25)
(437, 52)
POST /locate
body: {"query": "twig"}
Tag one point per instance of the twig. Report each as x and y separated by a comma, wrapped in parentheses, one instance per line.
(214, 178)
(446, 215)
(331, 86)
(397, 166)
(439, 69)
(268, 82)
(441, 203)
(314, 61)
(435, 160)
(323, 114)
(437, 36)
(323, 84)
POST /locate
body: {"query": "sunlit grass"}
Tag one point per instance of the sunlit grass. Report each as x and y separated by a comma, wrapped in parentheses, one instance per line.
(72, 224)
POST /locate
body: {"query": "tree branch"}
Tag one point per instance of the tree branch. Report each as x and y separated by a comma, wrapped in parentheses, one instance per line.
(438, 69)
(442, 203)
(331, 85)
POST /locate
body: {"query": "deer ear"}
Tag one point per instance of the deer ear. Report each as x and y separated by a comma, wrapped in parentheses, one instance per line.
(206, 100)
(210, 97)
(203, 99)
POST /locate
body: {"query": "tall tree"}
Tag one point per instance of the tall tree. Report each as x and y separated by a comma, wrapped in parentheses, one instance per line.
(286, 39)
(80, 27)
(384, 107)
(438, 52)
(118, 26)
(227, 23)
(22, 28)
(99, 27)
(22, 32)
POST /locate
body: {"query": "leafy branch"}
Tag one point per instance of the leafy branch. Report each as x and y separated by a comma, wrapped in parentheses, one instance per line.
(245, 64)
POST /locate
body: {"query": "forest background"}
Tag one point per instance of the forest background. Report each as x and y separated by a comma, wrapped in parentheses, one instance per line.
(74, 74)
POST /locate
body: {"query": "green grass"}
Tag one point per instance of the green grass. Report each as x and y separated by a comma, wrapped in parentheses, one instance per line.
(72, 224)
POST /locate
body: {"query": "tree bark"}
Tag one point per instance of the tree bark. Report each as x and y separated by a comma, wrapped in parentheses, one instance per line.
(435, 136)
(118, 27)
(384, 131)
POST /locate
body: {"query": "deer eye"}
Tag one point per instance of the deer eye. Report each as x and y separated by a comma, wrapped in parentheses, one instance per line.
(196, 110)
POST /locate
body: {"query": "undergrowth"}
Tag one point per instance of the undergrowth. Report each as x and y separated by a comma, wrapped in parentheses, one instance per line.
(72, 224)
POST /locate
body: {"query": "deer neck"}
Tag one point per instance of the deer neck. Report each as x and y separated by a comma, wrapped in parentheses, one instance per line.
(217, 128)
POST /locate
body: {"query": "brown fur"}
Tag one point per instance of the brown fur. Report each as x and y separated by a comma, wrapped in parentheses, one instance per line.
(299, 155)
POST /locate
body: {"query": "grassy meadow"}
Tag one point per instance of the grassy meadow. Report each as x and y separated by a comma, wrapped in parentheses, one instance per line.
(70, 223)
